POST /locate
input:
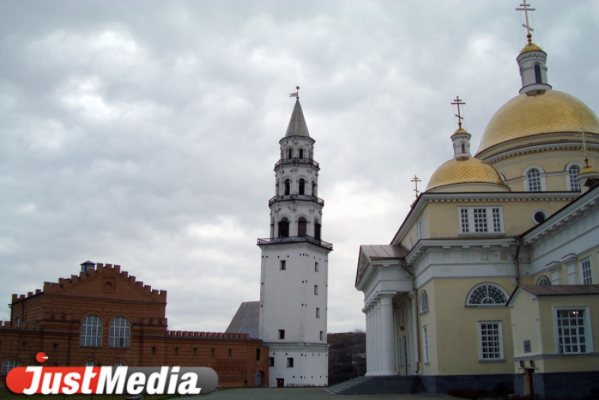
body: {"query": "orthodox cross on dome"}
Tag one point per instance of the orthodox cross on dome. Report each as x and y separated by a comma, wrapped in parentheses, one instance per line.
(416, 180)
(295, 94)
(526, 9)
(584, 147)
(459, 102)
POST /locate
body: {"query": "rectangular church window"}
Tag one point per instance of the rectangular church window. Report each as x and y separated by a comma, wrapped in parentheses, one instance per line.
(490, 338)
(572, 331)
(283, 265)
(271, 361)
(281, 333)
(316, 266)
(317, 312)
(585, 266)
(480, 220)
(289, 362)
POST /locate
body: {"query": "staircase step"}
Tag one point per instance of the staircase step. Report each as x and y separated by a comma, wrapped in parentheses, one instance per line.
(377, 384)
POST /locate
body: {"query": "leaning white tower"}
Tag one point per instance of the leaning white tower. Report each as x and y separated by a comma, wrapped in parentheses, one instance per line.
(294, 268)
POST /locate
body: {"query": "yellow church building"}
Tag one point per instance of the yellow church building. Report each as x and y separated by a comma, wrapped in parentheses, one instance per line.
(492, 280)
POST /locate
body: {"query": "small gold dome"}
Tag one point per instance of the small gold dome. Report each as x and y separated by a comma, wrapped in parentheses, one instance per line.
(460, 131)
(530, 47)
(550, 112)
(471, 170)
(587, 170)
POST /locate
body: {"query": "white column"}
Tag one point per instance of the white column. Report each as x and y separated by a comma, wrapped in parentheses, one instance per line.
(375, 332)
(366, 311)
(556, 272)
(379, 337)
(571, 261)
(387, 345)
(414, 332)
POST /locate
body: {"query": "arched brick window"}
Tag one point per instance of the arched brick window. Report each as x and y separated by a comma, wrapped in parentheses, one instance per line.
(119, 332)
(8, 365)
(91, 331)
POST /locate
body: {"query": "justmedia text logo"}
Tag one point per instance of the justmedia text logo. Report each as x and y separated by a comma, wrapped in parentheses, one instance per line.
(111, 380)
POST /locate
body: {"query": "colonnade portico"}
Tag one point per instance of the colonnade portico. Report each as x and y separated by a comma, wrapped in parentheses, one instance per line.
(380, 335)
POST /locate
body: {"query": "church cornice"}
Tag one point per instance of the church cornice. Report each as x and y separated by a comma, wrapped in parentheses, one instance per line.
(464, 243)
(304, 346)
(538, 149)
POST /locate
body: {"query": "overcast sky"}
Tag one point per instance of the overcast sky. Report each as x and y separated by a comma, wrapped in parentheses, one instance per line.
(145, 133)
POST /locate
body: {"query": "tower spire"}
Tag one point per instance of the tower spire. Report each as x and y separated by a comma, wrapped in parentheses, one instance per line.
(526, 9)
(297, 123)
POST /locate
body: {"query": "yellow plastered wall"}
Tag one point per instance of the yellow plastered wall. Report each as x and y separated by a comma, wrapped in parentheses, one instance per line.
(429, 319)
(552, 161)
(517, 215)
(412, 231)
(457, 337)
(524, 308)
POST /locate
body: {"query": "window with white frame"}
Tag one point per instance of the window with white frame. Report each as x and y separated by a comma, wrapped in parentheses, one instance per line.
(90, 363)
(91, 331)
(487, 295)
(423, 302)
(585, 269)
(573, 331)
(420, 229)
(119, 332)
(543, 281)
(8, 365)
(490, 338)
(572, 174)
(534, 180)
(481, 219)
(425, 340)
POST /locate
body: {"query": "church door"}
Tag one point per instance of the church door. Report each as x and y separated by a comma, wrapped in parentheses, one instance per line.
(280, 382)
(258, 378)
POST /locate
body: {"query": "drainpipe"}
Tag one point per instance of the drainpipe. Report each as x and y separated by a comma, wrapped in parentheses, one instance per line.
(415, 308)
(517, 261)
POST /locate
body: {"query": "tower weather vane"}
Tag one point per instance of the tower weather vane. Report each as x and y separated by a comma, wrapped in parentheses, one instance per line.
(459, 102)
(526, 9)
(416, 180)
(296, 94)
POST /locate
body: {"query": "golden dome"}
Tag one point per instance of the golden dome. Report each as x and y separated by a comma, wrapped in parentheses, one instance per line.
(471, 170)
(460, 131)
(530, 47)
(550, 112)
(587, 170)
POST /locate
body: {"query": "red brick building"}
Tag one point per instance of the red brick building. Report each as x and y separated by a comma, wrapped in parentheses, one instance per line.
(105, 316)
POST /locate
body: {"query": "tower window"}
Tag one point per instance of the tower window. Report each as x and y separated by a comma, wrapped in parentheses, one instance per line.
(211, 352)
(283, 265)
(463, 147)
(287, 187)
(230, 353)
(317, 230)
(301, 153)
(289, 362)
(284, 228)
(317, 312)
(321, 335)
(316, 289)
(153, 350)
(271, 361)
(281, 333)
(290, 153)
(316, 266)
(313, 188)
(538, 78)
(302, 227)
(257, 354)
(302, 185)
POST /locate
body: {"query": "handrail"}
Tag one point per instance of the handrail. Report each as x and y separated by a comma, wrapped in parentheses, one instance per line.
(295, 239)
(296, 160)
(296, 197)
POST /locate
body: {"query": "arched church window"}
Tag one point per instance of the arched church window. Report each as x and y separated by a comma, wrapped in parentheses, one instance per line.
(463, 147)
(284, 228)
(423, 302)
(287, 187)
(316, 230)
(119, 332)
(302, 185)
(301, 153)
(573, 172)
(91, 331)
(313, 188)
(538, 78)
(543, 281)
(487, 295)
(534, 180)
(302, 227)
(290, 153)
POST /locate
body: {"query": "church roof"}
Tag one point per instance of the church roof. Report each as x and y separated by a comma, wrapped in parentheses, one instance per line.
(471, 170)
(530, 47)
(561, 290)
(246, 319)
(550, 112)
(297, 123)
(381, 252)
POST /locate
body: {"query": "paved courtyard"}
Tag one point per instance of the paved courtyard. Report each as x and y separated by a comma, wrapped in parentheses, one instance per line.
(305, 394)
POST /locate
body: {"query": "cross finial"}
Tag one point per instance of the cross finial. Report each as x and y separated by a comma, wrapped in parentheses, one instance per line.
(296, 94)
(459, 102)
(584, 147)
(416, 180)
(526, 9)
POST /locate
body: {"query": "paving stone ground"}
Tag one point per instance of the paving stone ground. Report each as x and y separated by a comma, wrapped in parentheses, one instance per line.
(305, 394)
